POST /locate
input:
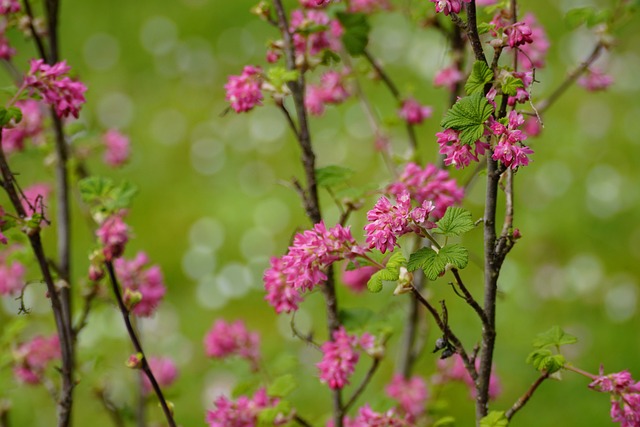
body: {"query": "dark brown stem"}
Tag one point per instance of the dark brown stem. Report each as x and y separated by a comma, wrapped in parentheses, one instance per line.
(525, 397)
(88, 300)
(136, 344)
(52, 7)
(571, 79)
(468, 297)
(472, 32)
(301, 421)
(36, 37)
(5, 406)
(408, 351)
(363, 385)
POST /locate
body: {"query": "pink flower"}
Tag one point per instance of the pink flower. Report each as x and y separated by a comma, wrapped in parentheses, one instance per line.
(510, 150)
(243, 412)
(367, 417)
(311, 4)
(280, 295)
(330, 91)
(518, 34)
(532, 126)
(428, 184)
(387, 222)
(340, 356)
(244, 91)
(357, 279)
(594, 80)
(453, 369)
(6, 50)
(33, 357)
(458, 154)
(117, 148)
(11, 277)
(9, 6)
(232, 339)
(29, 127)
(368, 6)
(414, 113)
(449, 6)
(66, 95)
(411, 394)
(486, 2)
(534, 53)
(35, 199)
(448, 77)
(164, 370)
(148, 282)
(316, 41)
(625, 396)
(113, 235)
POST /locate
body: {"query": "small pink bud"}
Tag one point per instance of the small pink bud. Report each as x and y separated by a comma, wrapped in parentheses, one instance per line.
(135, 361)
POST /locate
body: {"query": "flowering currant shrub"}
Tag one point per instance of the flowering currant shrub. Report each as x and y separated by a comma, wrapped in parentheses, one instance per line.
(395, 268)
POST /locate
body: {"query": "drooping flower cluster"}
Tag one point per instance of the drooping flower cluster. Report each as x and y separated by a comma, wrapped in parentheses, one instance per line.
(11, 275)
(448, 77)
(116, 148)
(164, 370)
(526, 36)
(331, 90)
(388, 222)
(55, 87)
(244, 411)
(594, 80)
(304, 265)
(534, 53)
(449, 6)
(232, 339)
(313, 31)
(340, 356)
(33, 357)
(30, 126)
(9, 6)
(625, 396)
(453, 369)
(430, 183)
(143, 287)
(510, 150)
(411, 394)
(113, 235)
(456, 153)
(413, 112)
(367, 417)
(244, 92)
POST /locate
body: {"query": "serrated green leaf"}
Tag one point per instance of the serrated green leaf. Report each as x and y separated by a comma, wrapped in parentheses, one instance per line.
(468, 116)
(330, 176)
(4, 116)
(7, 223)
(282, 386)
(447, 421)
(600, 17)
(576, 17)
(480, 76)
(544, 360)
(15, 113)
(554, 337)
(390, 273)
(494, 419)
(396, 261)
(455, 222)
(356, 32)
(94, 188)
(419, 258)
(434, 263)
(456, 255)
(484, 28)
(510, 85)
(355, 318)
(280, 76)
(122, 195)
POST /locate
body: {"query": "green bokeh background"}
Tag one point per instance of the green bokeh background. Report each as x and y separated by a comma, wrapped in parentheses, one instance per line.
(215, 203)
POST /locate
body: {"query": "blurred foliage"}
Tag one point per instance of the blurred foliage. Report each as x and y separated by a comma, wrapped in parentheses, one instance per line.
(215, 203)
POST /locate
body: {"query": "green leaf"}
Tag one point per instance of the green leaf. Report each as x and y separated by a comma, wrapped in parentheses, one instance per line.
(355, 318)
(282, 386)
(554, 337)
(103, 194)
(122, 195)
(455, 222)
(544, 360)
(94, 188)
(4, 116)
(280, 76)
(510, 85)
(435, 263)
(15, 113)
(356, 32)
(576, 17)
(468, 116)
(330, 176)
(494, 419)
(390, 273)
(245, 387)
(480, 76)
(600, 17)
(484, 27)
(267, 417)
(447, 421)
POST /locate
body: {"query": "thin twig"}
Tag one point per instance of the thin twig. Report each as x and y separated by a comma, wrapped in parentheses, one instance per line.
(136, 344)
(468, 297)
(363, 385)
(301, 421)
(36, 37)
(298, 334)
(525, 397)
(111, 408)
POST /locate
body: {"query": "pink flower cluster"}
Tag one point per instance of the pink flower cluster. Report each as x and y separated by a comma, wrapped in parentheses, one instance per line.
(625, 396)
(411, 394)
(29, 127)
(388, 222)
(594, 80)
(116, 148)
(340, 356)
(304, 265)
(448, 77)
(331, 90)
(453, 369)
(164, 370)
(35, 198)
(449, 6)
(456, 153)
(244, 92)
(148, 282)
(368, 6)
(430, 183)
(357, 279)
(314, 4)
(510, 150)
(6, 50)
(32, 358)
(527, 36)
(11, 276)
(232, 339)
(9, 6)
(113, 235)
(244, 411)
(414, 113)
(314, 42)
(367, 417)
(66, 95)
